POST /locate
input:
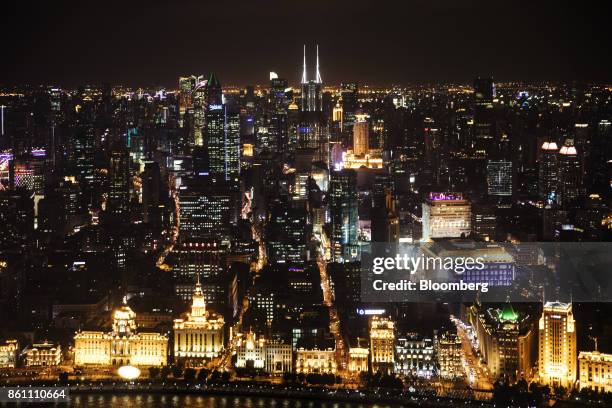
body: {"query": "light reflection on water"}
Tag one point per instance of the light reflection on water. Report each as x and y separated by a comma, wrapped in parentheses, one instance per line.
(203, 401)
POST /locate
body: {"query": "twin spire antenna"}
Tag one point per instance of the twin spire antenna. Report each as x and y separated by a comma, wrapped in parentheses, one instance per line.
(318, 73)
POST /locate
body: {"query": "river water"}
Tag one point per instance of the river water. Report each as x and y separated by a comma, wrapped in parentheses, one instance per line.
(202, 401)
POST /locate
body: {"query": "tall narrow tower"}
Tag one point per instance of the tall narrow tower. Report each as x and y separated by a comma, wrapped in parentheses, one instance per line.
(312, 97)
(548, 171)
(557, 354)
(570, 174)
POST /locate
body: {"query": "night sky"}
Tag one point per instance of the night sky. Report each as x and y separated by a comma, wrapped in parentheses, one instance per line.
(136, 42)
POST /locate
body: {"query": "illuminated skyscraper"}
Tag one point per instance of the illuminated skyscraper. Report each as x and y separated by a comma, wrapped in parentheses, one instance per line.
(557, 354)
(344, 214)
(277, 136)
(84, 140)
(313, 137)
(338, 114)
(215, 138)
(199, 101)
(548, 176)
(349, 94)
(207, 209)
(119, 181)
(313, 129)
(186, 87)
(361, 135)
(570, 173)
(311, 89)
(484, 92)
(231, 143)
(287, 233)
(222, 136)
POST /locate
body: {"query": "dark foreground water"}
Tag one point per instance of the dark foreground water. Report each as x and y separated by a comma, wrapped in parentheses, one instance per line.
(198, 401)
(204, 401)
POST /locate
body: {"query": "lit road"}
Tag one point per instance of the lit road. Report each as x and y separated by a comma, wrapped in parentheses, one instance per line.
(226, 359)
(262, 257)
(328, 300)
(174, 232)
(475, 371)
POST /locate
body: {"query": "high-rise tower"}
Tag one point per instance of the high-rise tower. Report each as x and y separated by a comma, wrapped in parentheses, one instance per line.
(484, 93)
(548, 171)
(361, 135)
(313, 129)
(312, 97)
(570, 173)
(557, 354)
(119, 177)
(222, 133)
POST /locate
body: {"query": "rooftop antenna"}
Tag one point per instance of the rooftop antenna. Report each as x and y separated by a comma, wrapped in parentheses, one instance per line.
(319, 80)
(304, 80)
(2, 114)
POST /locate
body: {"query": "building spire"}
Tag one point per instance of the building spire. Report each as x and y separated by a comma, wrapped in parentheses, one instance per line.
(319, 80)
(198, 286)
(304, 79)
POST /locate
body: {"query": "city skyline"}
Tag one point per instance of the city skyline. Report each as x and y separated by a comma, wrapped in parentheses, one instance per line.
(205, 198)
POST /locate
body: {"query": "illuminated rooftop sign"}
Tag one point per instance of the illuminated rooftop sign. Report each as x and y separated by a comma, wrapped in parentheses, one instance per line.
(445, 196)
